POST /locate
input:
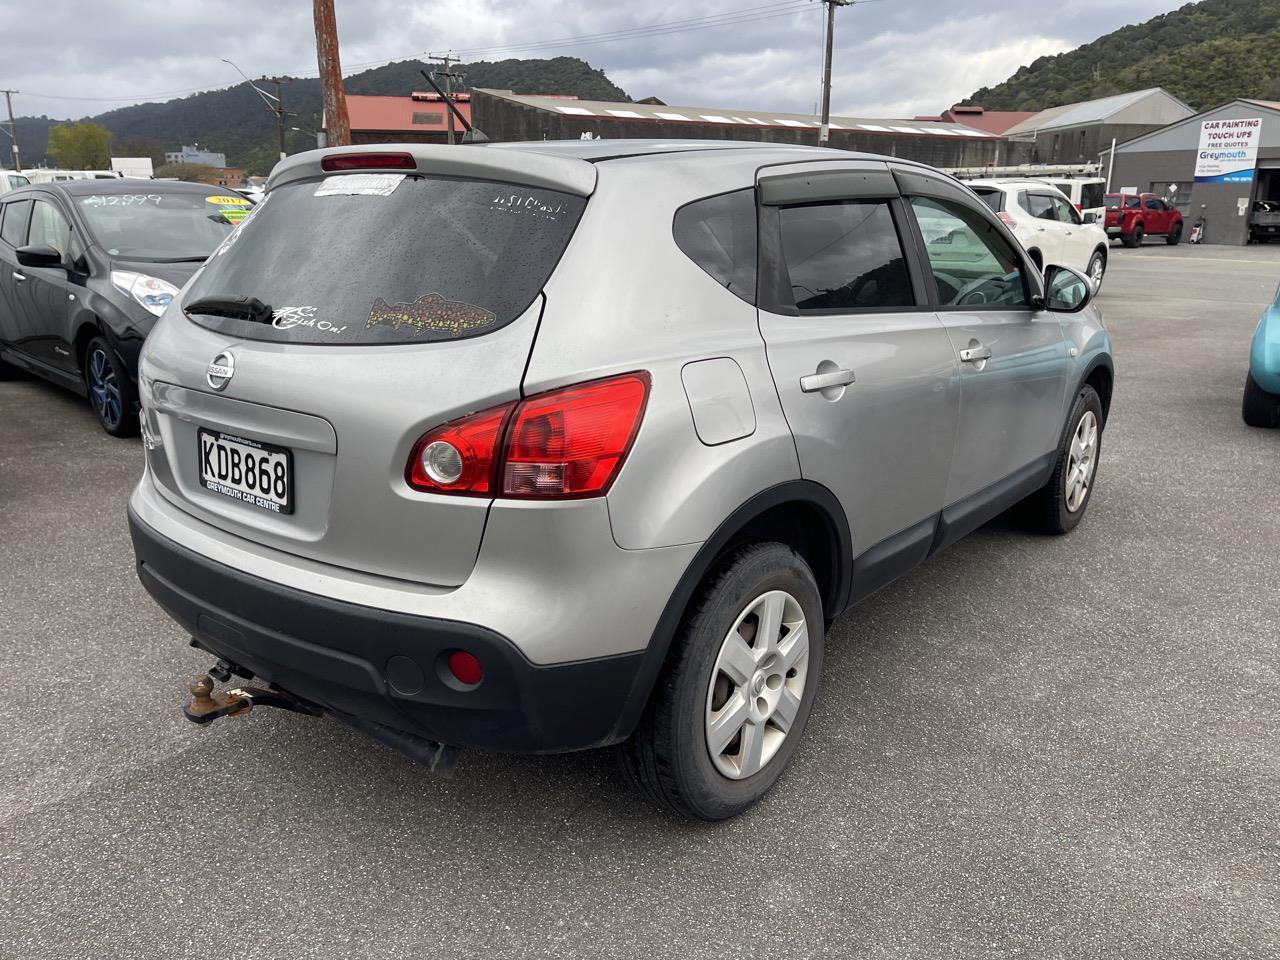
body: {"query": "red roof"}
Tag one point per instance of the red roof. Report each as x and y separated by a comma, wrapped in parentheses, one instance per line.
(992, 121)
(420, 112)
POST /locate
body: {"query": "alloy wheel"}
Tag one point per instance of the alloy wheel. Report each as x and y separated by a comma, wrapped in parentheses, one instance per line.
(1097, 267)
(1082, 460)
(757, 684)
(104, 391)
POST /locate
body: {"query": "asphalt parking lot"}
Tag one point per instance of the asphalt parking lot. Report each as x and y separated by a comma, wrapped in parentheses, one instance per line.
(1029, 747)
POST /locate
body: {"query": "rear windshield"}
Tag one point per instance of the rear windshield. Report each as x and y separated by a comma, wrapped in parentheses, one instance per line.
(1131, 202)
(385, 258)
(992, 197)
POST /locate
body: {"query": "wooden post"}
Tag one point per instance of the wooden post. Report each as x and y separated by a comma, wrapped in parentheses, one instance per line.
(337, 124)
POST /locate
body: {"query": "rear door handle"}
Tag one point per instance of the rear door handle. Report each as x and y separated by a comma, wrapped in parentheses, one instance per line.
(21, 278)
(974, 354)
(821, 381)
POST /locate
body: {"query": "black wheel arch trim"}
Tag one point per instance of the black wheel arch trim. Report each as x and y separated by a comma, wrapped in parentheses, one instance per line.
(792, 491)
(1103, 361)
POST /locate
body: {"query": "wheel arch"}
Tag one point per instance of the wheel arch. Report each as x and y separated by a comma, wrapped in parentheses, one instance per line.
(1036, 257)
(799, 513)
(1101, 376)
(89, 328)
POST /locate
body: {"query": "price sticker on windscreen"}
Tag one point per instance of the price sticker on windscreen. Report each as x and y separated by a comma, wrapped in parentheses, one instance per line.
(359, 185)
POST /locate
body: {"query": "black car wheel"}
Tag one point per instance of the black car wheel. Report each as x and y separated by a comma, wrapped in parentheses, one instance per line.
(1135, 239)
(110, 390)
(1259, 409)
(1173, 238)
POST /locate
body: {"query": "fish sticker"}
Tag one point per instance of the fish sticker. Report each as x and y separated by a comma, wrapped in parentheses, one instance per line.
(432, 313)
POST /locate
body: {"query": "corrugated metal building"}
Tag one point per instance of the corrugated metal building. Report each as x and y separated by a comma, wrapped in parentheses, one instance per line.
(503, 115)
(1165, 162)
(1078, 132)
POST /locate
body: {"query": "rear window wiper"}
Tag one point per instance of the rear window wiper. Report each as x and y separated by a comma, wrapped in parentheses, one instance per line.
(240, 308)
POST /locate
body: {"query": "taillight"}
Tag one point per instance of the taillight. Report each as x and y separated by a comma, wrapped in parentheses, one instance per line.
(571, 442)
(369, 161)
(1007, 220)
(459, 457)
(563, 444)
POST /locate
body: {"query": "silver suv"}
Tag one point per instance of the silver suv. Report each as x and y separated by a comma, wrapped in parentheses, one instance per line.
(549, 446)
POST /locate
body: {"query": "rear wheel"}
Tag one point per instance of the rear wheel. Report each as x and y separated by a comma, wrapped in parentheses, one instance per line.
(1260, 409)
(1174, 237)
(731, 704)
(110, 391)
(1060, 504)
(1135, 239)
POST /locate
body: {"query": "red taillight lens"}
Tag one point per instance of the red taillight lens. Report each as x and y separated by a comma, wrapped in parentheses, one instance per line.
(1007, 220)
(369, 161)
(571, 442)
(562, 444)
(459, 457)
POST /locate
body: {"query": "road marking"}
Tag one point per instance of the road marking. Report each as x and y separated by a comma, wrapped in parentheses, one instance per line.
(1265, 263)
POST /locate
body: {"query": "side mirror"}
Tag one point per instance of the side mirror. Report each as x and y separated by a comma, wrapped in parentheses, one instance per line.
(1066, 290)
(39, 255)
(1090, 218)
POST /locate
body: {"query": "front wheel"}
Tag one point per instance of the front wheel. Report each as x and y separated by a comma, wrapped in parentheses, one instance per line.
(731, 704)
(1097, 269)
(1175, 236)
(110, 390)
(1060, 504)
(1260, 409)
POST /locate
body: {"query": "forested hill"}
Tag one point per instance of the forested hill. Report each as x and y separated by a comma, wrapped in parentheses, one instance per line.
(1203, 53)
(235, 121)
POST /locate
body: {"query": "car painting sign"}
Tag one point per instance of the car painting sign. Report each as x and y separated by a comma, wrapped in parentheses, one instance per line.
(1228, 151)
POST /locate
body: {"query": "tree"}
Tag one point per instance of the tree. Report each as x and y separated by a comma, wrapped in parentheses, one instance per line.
(147, 147)
(80, 146)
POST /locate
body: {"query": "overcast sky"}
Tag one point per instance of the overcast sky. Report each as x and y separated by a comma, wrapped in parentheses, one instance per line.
(893, 57)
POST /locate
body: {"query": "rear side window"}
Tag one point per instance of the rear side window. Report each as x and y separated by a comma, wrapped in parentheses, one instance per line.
(385, 258)
(1091, 195)
(844, 256)
(719, 235)
(14, 228)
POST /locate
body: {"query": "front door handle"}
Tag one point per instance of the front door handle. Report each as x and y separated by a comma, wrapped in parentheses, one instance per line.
(816, 382)
(974, 354)
(20, 277)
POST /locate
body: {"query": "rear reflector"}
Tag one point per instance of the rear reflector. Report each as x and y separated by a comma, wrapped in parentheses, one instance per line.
(562, 444)
(465, 668)
(369, 161)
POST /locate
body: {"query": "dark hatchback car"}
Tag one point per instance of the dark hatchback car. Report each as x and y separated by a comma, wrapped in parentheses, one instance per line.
(86, 267)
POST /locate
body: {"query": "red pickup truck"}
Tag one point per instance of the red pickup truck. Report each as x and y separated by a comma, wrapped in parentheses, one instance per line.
(1132, 216)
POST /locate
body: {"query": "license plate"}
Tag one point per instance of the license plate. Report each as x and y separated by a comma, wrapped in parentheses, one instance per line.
(257, 474)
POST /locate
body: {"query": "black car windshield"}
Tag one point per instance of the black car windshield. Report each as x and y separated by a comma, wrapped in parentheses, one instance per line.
(159, 225)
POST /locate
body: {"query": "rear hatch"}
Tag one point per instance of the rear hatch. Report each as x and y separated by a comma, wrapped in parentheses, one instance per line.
(1116, 204)
(348, 315)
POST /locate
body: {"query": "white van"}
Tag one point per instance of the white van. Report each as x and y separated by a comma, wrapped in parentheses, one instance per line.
(12, 180)
(1086, 193)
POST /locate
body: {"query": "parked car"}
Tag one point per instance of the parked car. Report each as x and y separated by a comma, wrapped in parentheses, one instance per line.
(1134, 216)
(86, 266)
(1047, 224)
(561, 445)
(1086, 194)
(1261, 406)
(1264, 221)
(9, 180)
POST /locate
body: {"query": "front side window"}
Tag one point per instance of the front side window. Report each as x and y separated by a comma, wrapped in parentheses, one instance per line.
(973, 265)
(49, 227)
(1064, 211)
(1154, 205)
(1091, 195)
(844, 256)
(14, 229)
(719, 235)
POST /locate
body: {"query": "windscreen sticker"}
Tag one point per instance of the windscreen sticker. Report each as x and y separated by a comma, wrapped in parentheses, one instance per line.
(528, 205)
(359, 185)
(286, 318)
(227, 201)
(233, 215)
(431, 314)
(121, 200)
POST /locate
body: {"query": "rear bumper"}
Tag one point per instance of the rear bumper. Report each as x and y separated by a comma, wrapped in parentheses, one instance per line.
(387, 666)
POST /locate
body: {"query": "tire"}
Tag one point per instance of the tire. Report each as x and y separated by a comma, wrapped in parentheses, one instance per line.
(1175, 237)
(1135, 239)
(1259, 409)
(110, 389)
(1057, 508)
(9, 372)
(670, 757)
(1098, 266)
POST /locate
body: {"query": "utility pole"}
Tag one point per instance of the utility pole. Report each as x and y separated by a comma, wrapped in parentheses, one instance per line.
(449, 77)
(337, 124)
(278, 109)
(824, 132)
(13, 128)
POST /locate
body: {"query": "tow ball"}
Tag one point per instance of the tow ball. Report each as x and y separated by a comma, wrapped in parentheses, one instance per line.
(207, 706)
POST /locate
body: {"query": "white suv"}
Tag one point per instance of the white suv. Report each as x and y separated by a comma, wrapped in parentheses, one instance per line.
(1047, 224)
